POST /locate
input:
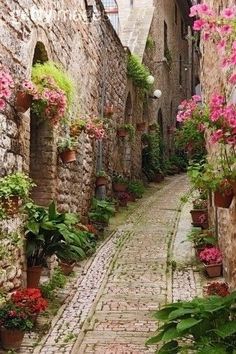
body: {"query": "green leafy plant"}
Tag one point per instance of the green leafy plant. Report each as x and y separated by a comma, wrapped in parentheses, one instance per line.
(117, 178)
(76, 126)
(201, 238)
(152, 159)
(15, 184)
(15, 317)
(130, 129)
(205, 325)
(168, 56)
(150, 43)
(136, 188)
(101, 173)
(138, 73)
(57, 281)
(65, 144)
(101, 210)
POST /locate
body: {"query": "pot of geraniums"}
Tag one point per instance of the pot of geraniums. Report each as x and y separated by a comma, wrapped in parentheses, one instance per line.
(24, 97)
(212, 260)
(126, 130)
(108, 110)
(119, 183)
(223, 194)
(55, 93)
(201, 239)
(77, 126)
(101, 178)
(95, 128)
(14, 322)
(13, 189)
(199, 213)
(67, 149)
(30, 300)
(141, 126)
(101, 212)
(217, 288)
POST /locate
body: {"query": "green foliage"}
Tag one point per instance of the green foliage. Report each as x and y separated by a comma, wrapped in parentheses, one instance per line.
(179, 161)
(49, 232)
(136, 188)
(16, 184)
(208, 325)
(101, 173)
(57, 281)
(138, 73)
(119, 179)
(130, 129)
(14, 317)
(152, 154)
(168, 56)
(150, 43)
(101, 210)
(201, 238)
(61, 78)
(65, 144)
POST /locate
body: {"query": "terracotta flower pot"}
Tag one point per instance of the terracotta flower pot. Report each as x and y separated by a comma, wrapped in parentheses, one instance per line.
(33, 276)
(120, 187)
(213, 270)
(199, 217)
(223, 200)
(141, 126)
(122, 133)
(108, 110)
(23, 101)
(11, 339)
(101, 181)
(10, 205)
(67, 268)
(68, 156)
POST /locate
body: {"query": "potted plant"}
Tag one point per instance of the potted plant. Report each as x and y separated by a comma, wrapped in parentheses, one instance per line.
(141, 126)
(199, 213)
(223, 194)
(108, 110)
(101, 212)
(77, 126)
(126, 130)
(24, 97)
(201, 239)
(120, 184)
(212, 260)
(14, 323)
(136, 188)
(13, 188)
(123, 198)
(95, 128)
(67, 149)
(101, 178)
(217, 288)
(55, 93)
(31, 301)
(153, 127)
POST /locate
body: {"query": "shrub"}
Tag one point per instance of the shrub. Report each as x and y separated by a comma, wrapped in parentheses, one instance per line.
(138, 73)
(136, 188)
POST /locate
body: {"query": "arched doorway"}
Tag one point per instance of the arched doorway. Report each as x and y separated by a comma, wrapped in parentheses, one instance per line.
(42, 166)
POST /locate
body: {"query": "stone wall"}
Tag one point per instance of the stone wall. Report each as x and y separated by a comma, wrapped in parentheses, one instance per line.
(167, 77)
(96, 60)
(213, 79)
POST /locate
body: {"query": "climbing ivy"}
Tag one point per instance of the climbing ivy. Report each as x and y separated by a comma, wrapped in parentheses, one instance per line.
(152, 155)
(138, 73)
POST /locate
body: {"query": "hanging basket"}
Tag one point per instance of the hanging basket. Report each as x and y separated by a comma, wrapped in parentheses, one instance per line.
(11, 339)
(68, 156)
(213, 270)
(23, 101)
(223, 200)
(141, 127)
(122, 133)
(33, 276)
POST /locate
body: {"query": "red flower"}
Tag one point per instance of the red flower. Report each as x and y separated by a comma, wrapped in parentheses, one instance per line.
(30, 299)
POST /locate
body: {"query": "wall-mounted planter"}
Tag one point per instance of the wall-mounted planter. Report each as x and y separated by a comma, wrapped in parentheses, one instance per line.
(122, 133)
(213, 270)
(108, 110)
(141, 127)
(223, 200)
(23, 101)
(68, 156)
(199, 217)
(10, 205)
(101, 181)
(11, 339)
(33, 276)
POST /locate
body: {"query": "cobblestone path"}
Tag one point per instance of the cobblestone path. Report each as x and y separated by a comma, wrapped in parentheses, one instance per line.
(111, 304)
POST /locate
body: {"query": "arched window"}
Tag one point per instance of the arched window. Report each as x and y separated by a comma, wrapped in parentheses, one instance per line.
(112, 12)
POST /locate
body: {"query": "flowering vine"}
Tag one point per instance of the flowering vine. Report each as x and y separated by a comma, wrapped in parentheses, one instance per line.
(222, 30)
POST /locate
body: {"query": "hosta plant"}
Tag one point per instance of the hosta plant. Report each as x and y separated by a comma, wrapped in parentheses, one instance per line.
(203, 326)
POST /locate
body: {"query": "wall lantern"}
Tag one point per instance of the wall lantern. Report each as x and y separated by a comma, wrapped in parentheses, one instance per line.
(156, 94)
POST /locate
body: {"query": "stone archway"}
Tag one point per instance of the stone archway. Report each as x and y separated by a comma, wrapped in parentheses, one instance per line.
(42, 161)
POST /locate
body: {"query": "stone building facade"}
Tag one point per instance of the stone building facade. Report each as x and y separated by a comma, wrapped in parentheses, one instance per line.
(213, 79)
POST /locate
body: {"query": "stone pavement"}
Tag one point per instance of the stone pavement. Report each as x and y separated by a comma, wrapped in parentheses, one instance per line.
(111, 302)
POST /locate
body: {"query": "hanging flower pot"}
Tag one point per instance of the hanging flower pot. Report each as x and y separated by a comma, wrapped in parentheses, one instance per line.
(223, 199)
(122, 133)
(199, 217)
(108, 110)
(141, 127)
(68, 156)
(10, 205)
(101, 181)
(11, 339)
(67, 267)
(23, 101)
(33, 276)
(213, 270)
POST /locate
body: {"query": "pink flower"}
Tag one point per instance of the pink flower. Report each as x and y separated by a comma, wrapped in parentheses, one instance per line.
(216, 136)
(211, 255)
(197, 98)
(232, 79)
(228, 13)
(198, 25)
(225, 29)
